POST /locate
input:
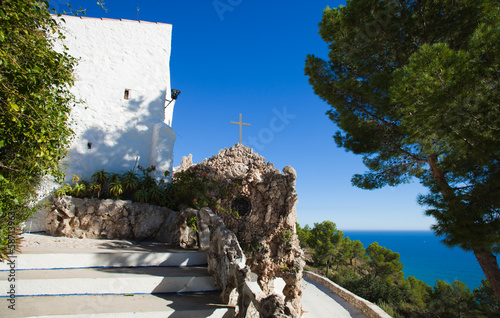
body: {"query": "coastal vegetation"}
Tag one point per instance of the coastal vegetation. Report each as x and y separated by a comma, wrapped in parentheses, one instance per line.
(413, 88)
(375, 274)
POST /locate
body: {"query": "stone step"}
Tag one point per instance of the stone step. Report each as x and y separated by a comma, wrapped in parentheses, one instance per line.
(88, 258)
(109, 279)
(143, 280)
(178, 306)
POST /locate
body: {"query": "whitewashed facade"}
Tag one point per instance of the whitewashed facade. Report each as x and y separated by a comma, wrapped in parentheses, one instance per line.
(123, 76)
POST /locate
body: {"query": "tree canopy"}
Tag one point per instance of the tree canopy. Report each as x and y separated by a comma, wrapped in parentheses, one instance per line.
(384, 262)
(324, 239)
(413, 87)
(35, 104)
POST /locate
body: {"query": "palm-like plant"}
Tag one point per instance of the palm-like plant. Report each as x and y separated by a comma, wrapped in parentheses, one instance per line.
(75, 179)
(114, 177)
(100, 177)
(96, 188)
(130, 181)
(156, 194)
(80, 189)
(66, 189)
(148, 182)
(115, 188)
(142, 195)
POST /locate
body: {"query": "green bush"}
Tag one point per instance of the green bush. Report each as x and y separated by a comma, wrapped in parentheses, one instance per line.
(286, 235)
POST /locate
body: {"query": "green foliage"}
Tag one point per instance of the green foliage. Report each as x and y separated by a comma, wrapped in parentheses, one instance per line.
(101, 177)
(35, 103)
(489, 306)
(303, 234)
(388, 309)
(142, 195)
(115, 188)
(66, 189)
(188, 188)
(80, 190)
(156, 194)
(375, 289)
(379, 279)
(453, 300)
(95, 188)
(324, 241)
(286, 235)
(383, 262)
(130, 181)
(358, 252)
(191, 222)
(191, 189)
(416, 292)
(146, 180)
(413, 87)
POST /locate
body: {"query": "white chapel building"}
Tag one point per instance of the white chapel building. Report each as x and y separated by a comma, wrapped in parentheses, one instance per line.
(123, 80)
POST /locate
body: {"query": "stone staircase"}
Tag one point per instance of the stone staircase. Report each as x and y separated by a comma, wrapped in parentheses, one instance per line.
(146, 280)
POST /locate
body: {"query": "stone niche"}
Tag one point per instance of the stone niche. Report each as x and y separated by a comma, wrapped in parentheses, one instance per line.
(265, 199)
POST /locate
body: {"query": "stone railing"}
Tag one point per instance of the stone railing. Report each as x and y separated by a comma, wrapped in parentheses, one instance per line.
(227, 263)
(369, 309)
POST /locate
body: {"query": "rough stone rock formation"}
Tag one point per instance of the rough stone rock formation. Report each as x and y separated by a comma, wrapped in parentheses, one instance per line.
(265, 200)
(227, 263)
(257, 204)
(118, 219)
(186, 162)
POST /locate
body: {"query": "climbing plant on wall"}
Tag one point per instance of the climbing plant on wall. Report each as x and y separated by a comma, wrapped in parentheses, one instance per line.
(35, 103)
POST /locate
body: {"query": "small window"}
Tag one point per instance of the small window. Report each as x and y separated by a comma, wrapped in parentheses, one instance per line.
(241, 205)
(127, 94)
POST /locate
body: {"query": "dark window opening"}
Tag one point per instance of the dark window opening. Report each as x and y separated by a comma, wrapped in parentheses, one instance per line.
(242, 206)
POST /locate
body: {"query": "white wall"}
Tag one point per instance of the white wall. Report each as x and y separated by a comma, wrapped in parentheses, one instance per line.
(116, 55)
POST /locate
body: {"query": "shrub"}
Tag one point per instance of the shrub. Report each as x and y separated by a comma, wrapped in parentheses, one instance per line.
(286, 235)
(187, 189)
(142, 195)
(115, 188)
(100, 177)
(130, 181)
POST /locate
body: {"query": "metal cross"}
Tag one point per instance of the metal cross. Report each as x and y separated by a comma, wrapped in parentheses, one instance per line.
(241, 124)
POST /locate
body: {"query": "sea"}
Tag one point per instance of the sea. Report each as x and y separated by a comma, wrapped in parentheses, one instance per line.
(425, 257)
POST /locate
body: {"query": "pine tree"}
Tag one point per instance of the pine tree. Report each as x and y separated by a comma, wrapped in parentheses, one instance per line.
(413, 86)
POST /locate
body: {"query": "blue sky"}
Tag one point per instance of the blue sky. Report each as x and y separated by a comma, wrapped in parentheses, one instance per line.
(241, 56)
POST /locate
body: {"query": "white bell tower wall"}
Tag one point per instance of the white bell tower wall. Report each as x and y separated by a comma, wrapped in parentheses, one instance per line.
(123, 76)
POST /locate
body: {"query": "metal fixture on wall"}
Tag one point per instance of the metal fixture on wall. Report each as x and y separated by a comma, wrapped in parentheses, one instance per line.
(174, 93)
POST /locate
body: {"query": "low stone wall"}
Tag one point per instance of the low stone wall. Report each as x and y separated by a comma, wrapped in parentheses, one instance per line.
(118, 219)
(369, 309)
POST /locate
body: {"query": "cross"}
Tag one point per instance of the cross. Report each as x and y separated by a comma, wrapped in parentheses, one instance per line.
(240, 123)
